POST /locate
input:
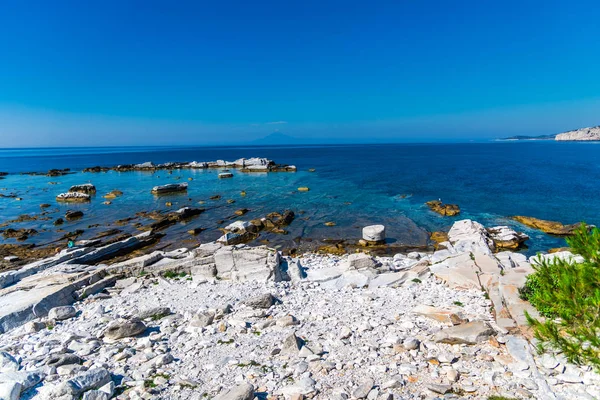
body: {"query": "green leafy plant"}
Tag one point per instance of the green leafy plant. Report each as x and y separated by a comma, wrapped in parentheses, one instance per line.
(568, 295)
(174, 275)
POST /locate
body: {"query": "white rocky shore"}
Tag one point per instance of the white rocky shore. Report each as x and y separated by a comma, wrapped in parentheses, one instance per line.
(582, 134)
(239, 323)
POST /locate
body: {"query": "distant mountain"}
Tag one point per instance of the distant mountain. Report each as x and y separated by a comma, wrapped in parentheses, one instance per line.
(523, 137)
(277, 138)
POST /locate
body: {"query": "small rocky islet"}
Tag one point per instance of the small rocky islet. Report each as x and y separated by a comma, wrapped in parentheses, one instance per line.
(115, 317)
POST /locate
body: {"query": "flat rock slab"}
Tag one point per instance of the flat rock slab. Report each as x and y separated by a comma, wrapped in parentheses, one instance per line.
(324, 274)
(448, 317)
(469, 333)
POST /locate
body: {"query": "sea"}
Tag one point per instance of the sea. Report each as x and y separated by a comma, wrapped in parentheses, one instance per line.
(351, 186)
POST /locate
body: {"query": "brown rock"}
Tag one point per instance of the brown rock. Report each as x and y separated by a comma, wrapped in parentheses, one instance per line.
(73, 215)
(439, 237)
(447, 210)
(336, 249)
(551, 227)
(558, 249)
(113, 195)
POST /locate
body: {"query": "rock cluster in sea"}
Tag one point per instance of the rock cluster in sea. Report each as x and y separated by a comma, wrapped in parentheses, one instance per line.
(254, 164)
(241, 322)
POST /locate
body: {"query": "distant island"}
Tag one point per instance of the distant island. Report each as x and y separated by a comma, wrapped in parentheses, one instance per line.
(523, 137)
(577, 135)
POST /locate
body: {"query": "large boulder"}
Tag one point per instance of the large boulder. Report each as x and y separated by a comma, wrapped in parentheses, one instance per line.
(241, 392)
(470, 236)
(359, 261)
(374, 233)
(265, 300)
(62, 313)
(123, 329)
(241, 263)
(239, 226)
(507, 238)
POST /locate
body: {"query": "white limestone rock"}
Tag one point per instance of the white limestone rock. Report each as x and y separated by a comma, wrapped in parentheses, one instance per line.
(242, 263)
(374, 233)
(470, 236)
(582, 134)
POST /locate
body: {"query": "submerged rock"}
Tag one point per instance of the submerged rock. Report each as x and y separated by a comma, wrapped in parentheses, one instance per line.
(19, 234)
(71, 215)
(113, 194)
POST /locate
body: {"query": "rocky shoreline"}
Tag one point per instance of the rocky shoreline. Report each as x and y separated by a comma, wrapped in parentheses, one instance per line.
(239, 322)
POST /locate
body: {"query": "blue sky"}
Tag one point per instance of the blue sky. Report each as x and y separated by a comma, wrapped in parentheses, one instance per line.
(177, 72)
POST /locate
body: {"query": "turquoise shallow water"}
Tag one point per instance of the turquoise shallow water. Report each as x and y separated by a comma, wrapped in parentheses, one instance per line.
(354, 185)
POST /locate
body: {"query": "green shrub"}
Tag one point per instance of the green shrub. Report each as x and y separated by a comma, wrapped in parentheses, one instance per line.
(568, 295)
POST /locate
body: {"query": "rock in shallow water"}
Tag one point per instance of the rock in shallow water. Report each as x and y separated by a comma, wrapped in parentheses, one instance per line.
(448, 210)
(374, 233)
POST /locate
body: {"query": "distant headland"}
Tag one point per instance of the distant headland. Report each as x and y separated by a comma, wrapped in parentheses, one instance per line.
(577, 135)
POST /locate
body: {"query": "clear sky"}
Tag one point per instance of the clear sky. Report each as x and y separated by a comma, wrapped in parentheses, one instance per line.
(177, 72)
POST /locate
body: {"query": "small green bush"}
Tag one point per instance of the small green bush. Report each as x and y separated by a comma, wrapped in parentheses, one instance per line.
(568, 295)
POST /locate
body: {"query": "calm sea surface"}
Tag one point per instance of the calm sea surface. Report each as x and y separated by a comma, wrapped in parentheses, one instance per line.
(353, 186)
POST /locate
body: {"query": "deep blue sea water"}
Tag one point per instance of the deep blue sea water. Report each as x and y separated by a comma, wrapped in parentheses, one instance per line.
(354, 185)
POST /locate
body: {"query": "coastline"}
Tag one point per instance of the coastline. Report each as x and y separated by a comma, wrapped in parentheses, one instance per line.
(215, 211)
(139, 303)
(425, 323)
